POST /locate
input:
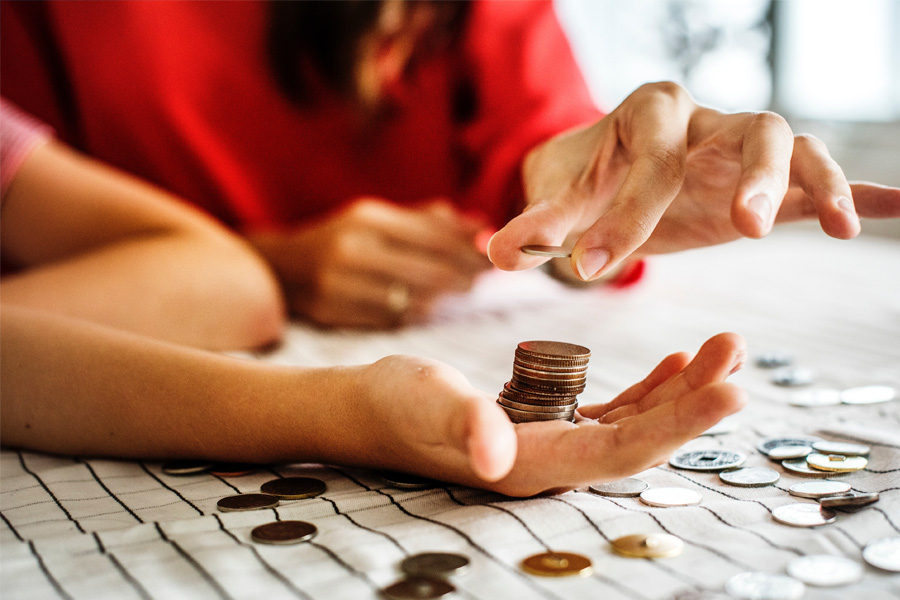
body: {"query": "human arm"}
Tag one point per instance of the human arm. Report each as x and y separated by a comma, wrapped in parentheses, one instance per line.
(661, 174)
(90, 241)
(344, 270)
(75, 387)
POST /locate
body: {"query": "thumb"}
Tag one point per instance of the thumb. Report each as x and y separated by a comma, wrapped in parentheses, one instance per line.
(545, 223)
(491, 441)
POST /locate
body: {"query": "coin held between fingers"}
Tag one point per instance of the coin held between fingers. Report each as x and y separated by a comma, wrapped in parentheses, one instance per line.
(398, 298)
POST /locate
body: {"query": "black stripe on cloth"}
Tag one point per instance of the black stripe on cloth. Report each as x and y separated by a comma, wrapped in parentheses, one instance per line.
(347, 566)
(51, 494)
(887, 518)
(709, 549)
(193, 562)
(229, 484)
(170, 488)
(868, 470)
(756, 533)
(386, 536)
(266, 565)
(121, 568)
(109, 491)
(56, 585)
(712, 489)
(505, 511)
(11, 528)
(848, 536)
(531, 584)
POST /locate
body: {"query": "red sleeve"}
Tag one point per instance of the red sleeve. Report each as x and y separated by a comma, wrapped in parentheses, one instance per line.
(528, 87)
(19, 135)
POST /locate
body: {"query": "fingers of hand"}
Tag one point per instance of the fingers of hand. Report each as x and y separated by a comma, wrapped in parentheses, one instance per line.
(876, 201)
(653, 130)
(765, 173)
(544, 223)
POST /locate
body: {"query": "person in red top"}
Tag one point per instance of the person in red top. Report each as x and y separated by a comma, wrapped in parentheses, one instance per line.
(363, 146)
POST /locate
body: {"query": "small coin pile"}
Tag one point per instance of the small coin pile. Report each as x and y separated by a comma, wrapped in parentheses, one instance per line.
(547, 378)
(427, 576)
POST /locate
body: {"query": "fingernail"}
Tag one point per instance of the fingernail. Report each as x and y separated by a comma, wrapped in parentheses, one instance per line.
(846, 205)
(590, 262)
(761, 206)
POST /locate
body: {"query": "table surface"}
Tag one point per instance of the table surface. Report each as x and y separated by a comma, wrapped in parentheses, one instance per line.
(96, 529)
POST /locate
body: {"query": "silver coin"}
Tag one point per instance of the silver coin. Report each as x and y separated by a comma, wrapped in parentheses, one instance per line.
(435, 564)
(773, 360)
(756, 585)
(883, 554)
(815, 398)
(418, 588)
(766, 444)
(623, 488)
(186, 467)
(708, 460)
(284, 532)
(547, 251)
(670, 496)
(524, 406)
(794, 377)
(825, 570)
(801, 467)
(407, 481)
(750, 477)
(869, 394)
(242, 502)
(847, 449)
(788, 452)
(803, 514)
(849, 500)
(819, 489)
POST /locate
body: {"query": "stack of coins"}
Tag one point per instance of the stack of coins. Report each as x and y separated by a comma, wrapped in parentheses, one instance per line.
(547, 378)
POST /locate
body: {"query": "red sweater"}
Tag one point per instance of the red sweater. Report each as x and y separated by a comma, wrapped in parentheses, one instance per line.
(180, 94)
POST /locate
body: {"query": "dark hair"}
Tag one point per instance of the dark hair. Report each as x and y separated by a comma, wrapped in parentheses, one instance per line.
(324, 36)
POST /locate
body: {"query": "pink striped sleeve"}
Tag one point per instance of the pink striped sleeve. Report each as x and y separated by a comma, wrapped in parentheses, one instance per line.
(20, 133)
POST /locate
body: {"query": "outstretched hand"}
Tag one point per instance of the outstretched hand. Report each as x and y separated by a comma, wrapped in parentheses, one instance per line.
(436, 425)
(661, 174)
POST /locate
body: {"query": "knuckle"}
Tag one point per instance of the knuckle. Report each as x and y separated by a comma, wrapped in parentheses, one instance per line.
(668, 164)
(770, 120)
(807, 141)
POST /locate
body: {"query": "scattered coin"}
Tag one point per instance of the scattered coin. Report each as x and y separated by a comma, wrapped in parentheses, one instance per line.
(242, 502)
(825, 570)
(233, 469)
(186, 467)
(847, 449)
(788, 452)
(756, 585)
(837, 462)
(869, 394)
(648, 545)
(801, 467)
(418, 588)
(765, 445)
(750, 477)
(549, 251)
(883, 554)
(849, 500)
(794, 377)
(293, 488)
(815, 398)
(819, 489)
(284, 532)
(435, 564)
(558, 564)
(708, 460)
(407, 481)
(623, 488)
(547, 378)
(802, 514)
(670, 496)
(773, 360)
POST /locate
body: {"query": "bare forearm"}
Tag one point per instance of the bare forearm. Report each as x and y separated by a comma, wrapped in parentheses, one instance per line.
(73, 387)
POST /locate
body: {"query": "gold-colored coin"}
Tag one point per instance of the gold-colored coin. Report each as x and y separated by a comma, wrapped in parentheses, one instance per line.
(293, 488)
(836, 462)
(648, 545)
(558, 564)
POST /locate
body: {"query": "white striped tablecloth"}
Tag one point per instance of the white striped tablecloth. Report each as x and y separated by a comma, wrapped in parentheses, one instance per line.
(95, 529)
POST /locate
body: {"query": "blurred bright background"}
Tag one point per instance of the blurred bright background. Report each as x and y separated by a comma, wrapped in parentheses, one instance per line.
(831, 67)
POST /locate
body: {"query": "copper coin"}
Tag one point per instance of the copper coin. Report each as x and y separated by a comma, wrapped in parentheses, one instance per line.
(242, 502)
(186, 467)
(529, 415)
(407, 481)
(284, 532)
(233, 469)
(435, 564)
(648, 545)
(549, 366)
(537, 407)
(558, 564)
(293, 488)
(547, 349)
(578, 375)
(547, 251)
(418, 588)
